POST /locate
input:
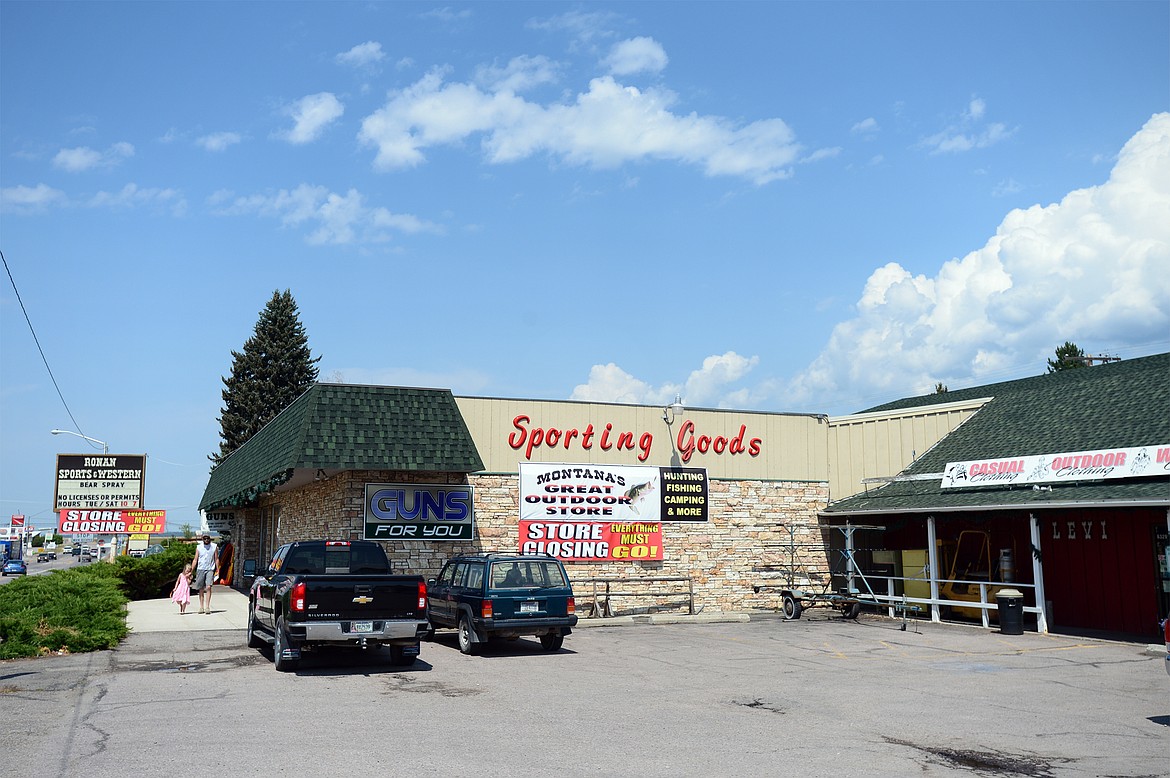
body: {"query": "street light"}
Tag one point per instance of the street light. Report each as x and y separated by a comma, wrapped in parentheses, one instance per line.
(672, 411)
(105, 447)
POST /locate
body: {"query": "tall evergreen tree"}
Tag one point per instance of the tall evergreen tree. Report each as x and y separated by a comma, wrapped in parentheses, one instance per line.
(274, 369)
(1068, 356)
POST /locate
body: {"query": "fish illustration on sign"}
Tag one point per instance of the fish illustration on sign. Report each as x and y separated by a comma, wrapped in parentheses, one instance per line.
(635, 494)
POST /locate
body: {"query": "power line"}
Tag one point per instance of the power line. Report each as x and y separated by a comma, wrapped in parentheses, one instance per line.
(38, 342)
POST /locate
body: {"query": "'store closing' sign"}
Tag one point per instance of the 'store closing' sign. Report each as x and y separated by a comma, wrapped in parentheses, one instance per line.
(593, 541)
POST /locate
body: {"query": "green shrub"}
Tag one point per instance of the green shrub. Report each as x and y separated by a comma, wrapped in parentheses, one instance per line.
(76, 610)
(82, 608)
(151, 577)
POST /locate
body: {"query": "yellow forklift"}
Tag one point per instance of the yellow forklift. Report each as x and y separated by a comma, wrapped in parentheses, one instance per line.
(968, 563)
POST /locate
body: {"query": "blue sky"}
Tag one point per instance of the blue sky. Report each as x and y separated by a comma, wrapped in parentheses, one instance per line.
(790, 206)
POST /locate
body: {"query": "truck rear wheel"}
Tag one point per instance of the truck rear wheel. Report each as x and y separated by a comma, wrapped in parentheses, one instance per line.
(552, 642)
(467, 642)
(400, 659)
(283, 664)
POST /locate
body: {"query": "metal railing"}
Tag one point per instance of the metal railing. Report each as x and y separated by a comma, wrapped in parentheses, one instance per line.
(603, 590)
(897, 602)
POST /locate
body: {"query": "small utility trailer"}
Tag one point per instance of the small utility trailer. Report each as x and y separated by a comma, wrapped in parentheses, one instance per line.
(796, 601)
(820, 592)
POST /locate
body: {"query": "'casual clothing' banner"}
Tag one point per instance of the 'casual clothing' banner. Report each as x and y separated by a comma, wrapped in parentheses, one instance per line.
(1075, 466)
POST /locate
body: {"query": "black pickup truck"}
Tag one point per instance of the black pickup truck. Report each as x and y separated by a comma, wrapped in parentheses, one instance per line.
(319, 593)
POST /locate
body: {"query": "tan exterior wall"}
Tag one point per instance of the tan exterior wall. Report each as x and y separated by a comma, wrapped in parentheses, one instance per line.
(878, 445)
(792, 447)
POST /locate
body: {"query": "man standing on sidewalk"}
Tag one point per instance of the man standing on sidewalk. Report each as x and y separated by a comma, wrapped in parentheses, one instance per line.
(205, 563)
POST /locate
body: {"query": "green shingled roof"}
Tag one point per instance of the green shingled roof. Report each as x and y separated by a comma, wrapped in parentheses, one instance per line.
(343, 427)
(1121, 404)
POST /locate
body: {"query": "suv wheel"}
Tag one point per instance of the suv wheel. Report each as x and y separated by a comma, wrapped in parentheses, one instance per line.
(552, 642)
(466, 642)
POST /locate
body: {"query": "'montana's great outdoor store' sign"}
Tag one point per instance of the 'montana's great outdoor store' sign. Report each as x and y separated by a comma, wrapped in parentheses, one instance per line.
(418, 512)
(99, 481)
(612, 492)
(593, 541)
(1073, 466)
(112, 522)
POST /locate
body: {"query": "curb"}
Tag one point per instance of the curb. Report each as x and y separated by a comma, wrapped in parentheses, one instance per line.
(664, 618)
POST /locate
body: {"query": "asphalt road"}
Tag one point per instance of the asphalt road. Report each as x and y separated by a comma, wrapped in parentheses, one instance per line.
(816, 697)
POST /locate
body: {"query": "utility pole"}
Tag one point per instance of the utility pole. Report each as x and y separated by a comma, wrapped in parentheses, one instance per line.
(1091, 360)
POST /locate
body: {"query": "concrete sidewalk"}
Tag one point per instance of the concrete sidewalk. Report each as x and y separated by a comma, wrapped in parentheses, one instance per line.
(229, 610)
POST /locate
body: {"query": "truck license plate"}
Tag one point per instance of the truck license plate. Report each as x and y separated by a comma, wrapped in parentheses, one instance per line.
(363, 626)
(528, 607)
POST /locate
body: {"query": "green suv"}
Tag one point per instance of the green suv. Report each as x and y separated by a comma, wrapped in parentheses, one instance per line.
(487, 596)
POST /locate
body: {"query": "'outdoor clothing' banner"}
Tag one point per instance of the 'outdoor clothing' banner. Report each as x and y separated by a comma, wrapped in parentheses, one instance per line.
(1046, 468)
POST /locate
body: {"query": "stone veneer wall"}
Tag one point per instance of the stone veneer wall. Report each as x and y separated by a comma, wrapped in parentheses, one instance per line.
(758, 532)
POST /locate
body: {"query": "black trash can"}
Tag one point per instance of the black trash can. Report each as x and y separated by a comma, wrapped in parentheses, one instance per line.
(1011, 611)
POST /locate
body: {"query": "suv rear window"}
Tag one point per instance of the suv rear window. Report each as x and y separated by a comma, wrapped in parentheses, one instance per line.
(527, 573)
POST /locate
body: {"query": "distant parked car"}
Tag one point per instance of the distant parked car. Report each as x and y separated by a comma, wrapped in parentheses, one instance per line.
(45, 556)
(14, 567)
(77, 551)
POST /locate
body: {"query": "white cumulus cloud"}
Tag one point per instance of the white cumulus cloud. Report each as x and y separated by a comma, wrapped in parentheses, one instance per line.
(520, 74)
(1091, 268)
(30, 199)
(82, 158)
(218, 141)
(311, 115)
(133, 196)
(363, 55)
(711, 384)
(329, 217)
(606, 126)
(865, 127)
(636, 55)
(969, 132)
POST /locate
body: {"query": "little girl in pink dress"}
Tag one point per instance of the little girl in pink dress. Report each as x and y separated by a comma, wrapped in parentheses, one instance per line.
(182, 591)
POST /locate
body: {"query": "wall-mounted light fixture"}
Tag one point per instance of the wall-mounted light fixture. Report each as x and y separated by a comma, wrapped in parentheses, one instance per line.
(672, 411)
(320, 475)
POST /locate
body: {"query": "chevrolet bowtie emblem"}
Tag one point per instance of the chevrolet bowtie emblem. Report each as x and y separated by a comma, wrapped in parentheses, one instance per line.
(363, 600)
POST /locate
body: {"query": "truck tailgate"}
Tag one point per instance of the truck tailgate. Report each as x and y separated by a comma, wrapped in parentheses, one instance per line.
(333, 597)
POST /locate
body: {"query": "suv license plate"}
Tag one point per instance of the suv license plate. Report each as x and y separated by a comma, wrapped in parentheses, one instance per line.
(528, 607)
(363, 626)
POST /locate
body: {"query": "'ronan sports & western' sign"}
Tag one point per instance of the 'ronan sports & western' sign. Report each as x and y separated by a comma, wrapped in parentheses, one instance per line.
(418, 512)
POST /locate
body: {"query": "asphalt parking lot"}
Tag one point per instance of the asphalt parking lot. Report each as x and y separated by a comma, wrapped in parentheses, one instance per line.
(818, 696)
